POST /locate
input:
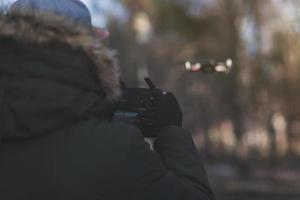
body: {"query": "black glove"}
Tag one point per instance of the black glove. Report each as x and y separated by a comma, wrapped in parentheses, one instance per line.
(148, 109)
(168, 111)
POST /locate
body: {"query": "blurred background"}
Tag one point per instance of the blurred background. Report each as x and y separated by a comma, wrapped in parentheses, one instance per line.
(246, 124)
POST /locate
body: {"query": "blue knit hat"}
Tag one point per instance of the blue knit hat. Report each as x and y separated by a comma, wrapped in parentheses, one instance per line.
(73, 9)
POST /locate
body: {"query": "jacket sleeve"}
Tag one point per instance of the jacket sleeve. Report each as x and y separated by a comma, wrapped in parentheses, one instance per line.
(173, 172)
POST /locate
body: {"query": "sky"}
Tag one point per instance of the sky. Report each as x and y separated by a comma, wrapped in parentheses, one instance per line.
(103, 8)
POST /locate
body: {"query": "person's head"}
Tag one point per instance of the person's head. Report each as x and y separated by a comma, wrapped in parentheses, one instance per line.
(73, 9)
(64, 22)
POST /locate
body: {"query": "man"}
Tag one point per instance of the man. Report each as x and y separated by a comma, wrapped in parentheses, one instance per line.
(56, 140)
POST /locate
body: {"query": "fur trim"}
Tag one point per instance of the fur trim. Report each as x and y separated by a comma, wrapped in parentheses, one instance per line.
(43, 27)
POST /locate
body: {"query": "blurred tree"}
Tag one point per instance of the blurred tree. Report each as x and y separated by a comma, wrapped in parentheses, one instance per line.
(265, 75)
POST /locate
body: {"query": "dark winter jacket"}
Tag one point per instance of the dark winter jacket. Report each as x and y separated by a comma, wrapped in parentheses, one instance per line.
(56, 142)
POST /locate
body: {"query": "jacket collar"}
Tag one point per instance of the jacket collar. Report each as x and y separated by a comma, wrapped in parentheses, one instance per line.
(40, 28)
(53, 74)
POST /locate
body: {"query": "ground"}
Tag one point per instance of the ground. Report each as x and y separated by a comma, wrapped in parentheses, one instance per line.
(236, 181)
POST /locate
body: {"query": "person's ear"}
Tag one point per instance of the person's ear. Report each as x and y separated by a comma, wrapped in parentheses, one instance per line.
(102, 33)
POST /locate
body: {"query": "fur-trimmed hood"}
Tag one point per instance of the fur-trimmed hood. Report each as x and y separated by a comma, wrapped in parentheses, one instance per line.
(53, 73)
(40, 28)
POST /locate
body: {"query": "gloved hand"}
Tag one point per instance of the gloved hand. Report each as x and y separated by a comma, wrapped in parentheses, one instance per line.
(168, 111)
(148, 109)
